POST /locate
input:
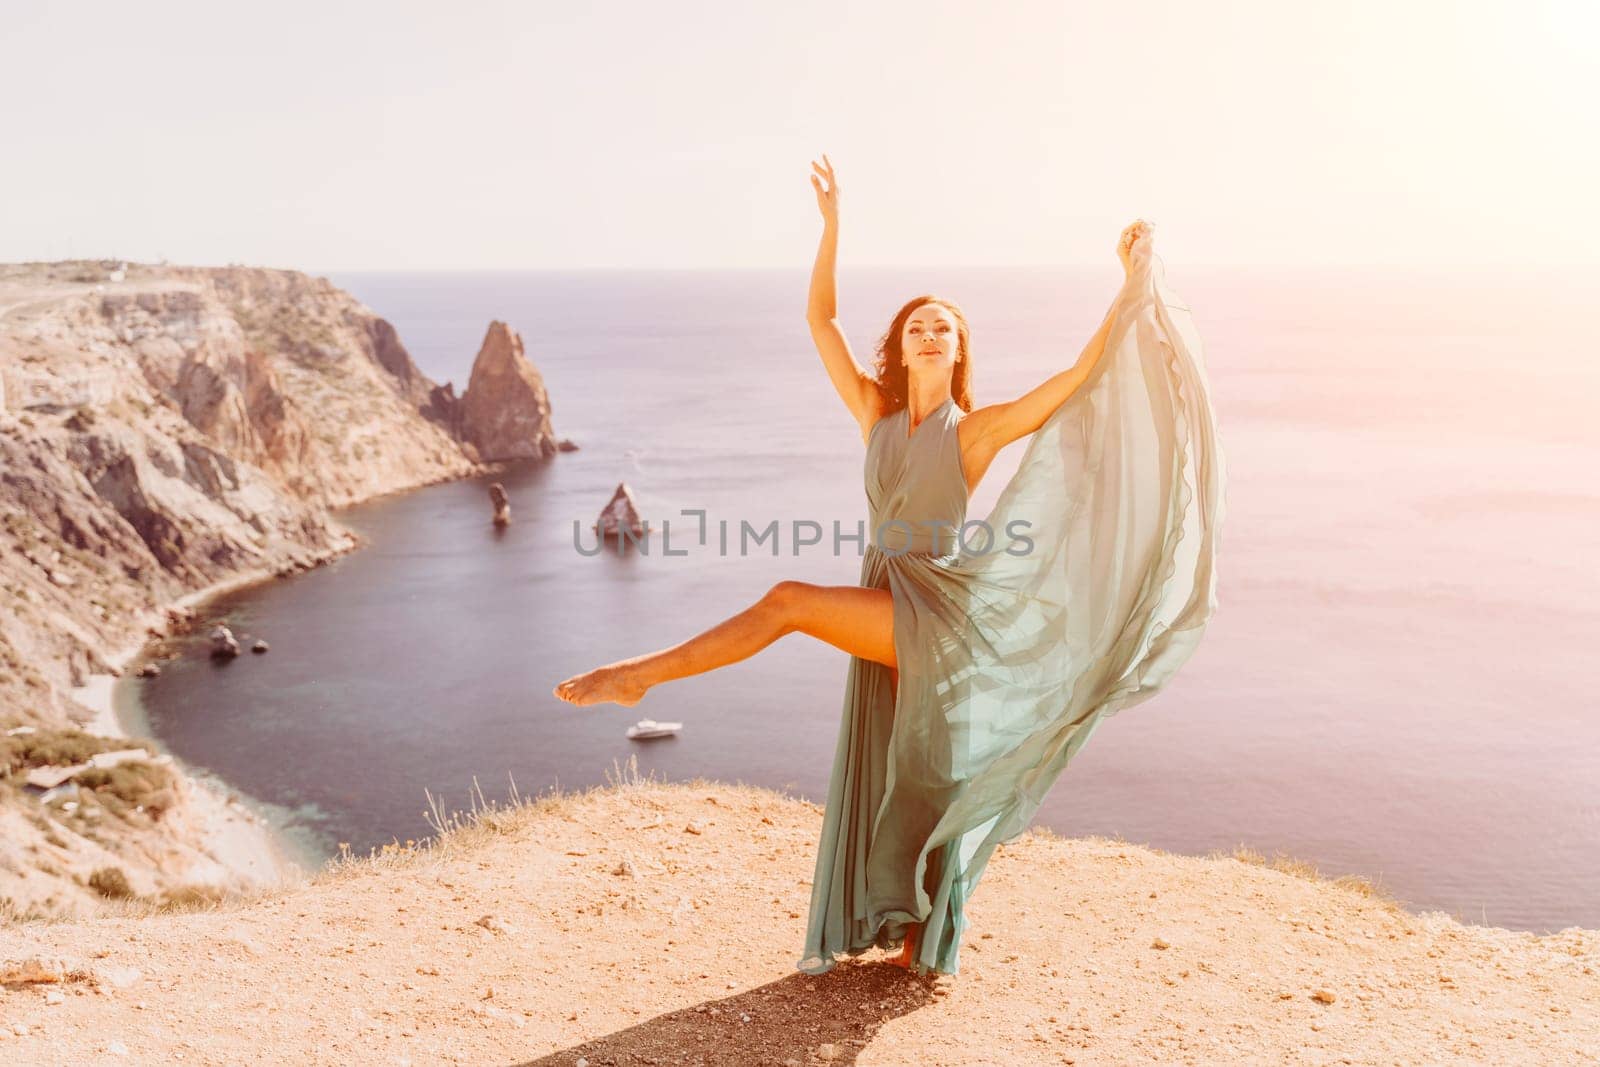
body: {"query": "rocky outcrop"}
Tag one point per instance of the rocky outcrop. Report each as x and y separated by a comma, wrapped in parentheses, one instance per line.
(444, 408)
(502, 504)
(505, 412)
(165, 430)
(223, 644)
(620, 517)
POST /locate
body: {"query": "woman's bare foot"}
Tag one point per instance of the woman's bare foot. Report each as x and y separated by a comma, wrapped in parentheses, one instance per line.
(908, 951)
(613, 682)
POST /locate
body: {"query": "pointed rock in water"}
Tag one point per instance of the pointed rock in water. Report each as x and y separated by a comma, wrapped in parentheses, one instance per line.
(505, 412)
(621, 513)
(567, 444)
(260, 646)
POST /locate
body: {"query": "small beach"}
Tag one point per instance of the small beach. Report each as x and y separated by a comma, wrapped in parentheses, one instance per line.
(237, 833)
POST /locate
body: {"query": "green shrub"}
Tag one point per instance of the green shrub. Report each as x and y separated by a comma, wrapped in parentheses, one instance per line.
(130, 785)
(111, 882)
(57, 748)
(190, 895)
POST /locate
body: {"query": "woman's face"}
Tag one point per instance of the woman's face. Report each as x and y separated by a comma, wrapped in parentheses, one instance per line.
(929, 340)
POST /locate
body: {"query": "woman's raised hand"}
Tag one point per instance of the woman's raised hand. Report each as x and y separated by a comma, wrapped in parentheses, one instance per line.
(827, 196)
(1138, 232)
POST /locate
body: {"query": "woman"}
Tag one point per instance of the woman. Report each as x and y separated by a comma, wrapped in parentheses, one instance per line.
(983, 655)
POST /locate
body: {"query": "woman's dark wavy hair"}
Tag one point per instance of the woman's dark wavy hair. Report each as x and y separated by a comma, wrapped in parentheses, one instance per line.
(893, 378)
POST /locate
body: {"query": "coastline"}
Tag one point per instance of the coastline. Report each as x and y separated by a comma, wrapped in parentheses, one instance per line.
(79, 325)
(237, 835)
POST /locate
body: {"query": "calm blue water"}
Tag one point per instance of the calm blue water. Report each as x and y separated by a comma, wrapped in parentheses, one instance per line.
(1397, 684)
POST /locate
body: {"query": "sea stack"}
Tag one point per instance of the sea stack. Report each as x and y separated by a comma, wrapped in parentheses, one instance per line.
(619, 515)
(502, 504)
(505, 412)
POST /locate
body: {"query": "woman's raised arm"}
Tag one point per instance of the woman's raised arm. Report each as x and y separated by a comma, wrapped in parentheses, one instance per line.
(989, 429)
(854, 385)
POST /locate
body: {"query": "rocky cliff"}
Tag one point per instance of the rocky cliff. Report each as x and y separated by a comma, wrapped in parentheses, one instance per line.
(164, 430)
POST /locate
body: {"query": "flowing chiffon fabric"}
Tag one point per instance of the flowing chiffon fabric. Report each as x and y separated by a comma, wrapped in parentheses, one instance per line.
(1010, 654)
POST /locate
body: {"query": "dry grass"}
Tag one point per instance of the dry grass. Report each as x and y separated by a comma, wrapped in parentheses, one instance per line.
(1353, 883)
(180, 900)
(459, 833)
(1280, 861)
(13, 915)
(462, 832)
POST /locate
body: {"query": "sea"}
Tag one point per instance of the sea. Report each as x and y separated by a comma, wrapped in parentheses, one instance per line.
(1400, 681)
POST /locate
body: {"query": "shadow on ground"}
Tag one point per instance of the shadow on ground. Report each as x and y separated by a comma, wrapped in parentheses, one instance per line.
(799, 1019)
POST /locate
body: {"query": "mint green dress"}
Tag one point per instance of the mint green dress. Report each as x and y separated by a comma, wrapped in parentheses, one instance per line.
(1081, 594)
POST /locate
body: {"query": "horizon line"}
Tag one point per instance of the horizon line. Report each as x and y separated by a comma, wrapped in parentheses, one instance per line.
(1453, 265)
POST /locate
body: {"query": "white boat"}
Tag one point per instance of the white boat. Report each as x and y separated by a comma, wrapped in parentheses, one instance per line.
(645, 729)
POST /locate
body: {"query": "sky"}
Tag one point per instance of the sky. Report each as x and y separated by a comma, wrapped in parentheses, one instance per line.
(475, 135)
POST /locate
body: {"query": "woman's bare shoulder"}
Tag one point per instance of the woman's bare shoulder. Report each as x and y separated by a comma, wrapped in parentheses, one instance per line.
(875, 415)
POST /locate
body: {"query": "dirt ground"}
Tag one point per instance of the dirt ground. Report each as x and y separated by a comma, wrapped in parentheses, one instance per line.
(660, 924)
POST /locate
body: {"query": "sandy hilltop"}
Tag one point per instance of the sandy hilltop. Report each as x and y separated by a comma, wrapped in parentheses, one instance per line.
(167, 433)
(659, 924)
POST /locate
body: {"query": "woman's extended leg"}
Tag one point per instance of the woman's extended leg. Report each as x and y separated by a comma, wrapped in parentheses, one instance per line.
(854, 618)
